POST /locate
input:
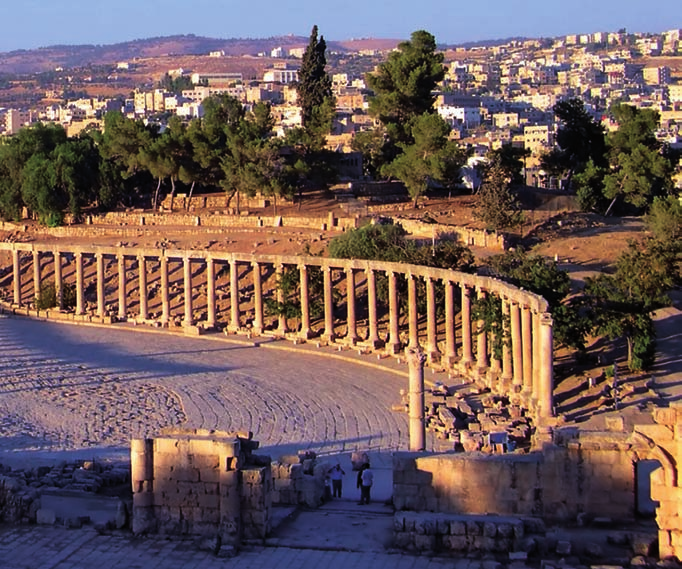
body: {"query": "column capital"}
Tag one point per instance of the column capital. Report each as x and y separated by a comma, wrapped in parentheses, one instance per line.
(415, 356)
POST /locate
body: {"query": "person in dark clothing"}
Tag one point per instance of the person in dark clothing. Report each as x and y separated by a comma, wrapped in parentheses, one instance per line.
(365, 481)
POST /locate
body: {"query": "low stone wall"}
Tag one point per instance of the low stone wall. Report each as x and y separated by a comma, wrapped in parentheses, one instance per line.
(464, 534)
(18, 502)
(201, 483)
(593, 475)
(465, 235)
(299, 480)
(21, 491)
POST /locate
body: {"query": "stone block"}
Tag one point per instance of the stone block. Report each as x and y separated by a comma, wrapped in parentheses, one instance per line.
(658, 433)
(253, 476)
(399, 522)
(45, 517)
(455, 542)
(503, 545)
(208, 501)
(457, 528)
(474, 528)
(489, 529)
(403, 540)
(505, 530)
(481, 543)
(425, 542)
(616, 424)
(665, 416)
(424, 526)
(563, 548)
(443, 526)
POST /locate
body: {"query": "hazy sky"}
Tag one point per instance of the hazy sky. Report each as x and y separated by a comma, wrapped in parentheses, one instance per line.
(36, 23)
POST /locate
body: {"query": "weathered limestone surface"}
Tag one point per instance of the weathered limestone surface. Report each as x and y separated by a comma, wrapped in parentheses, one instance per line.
(201, 483)
(198, 278)
(593, 476)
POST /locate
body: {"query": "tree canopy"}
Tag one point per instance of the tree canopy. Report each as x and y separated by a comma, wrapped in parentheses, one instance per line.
(314, 88)
(403, 85)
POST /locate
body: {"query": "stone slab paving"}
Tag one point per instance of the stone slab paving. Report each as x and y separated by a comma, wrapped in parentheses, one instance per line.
(79, 389)
(58, 548)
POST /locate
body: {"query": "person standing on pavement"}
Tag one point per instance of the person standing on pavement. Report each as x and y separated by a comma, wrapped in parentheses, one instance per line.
(366, 479)
(336, 475)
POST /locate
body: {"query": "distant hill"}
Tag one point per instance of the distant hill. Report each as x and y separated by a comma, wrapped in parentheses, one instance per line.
(74, 56)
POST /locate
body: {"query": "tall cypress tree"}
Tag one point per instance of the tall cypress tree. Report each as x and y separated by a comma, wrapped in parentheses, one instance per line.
(314, 88)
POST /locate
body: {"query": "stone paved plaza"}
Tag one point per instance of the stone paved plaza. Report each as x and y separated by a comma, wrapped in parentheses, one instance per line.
(55, 548)
(90, 390)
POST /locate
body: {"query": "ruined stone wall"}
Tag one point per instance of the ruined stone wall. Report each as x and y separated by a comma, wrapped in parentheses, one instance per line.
(592, 477)
(463, 534)
(663, 441)
(465, 235)
(299, 480)
(200, 483)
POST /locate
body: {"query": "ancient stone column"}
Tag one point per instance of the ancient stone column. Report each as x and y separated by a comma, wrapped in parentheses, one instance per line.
(373, 339)
(257, 298)
(328, 305)
(467, 352)
(58, 284)
(526, 334)
(122, 285)
(507, 374)
(413, 314)
(546, 402)
(352, 336)
(142, 478)
(187, 288)
(450, 342)
(431, 338)
(417, 428)
(165, 290)
(393, 346)
(306, 332)
(210, 292)
(482, 346)
(36, 274)
(99, 258)
(517, 347)
(80, 301)
(537, 365)
(142, 276)
(16, 276)
(234, 297)
(281, 318)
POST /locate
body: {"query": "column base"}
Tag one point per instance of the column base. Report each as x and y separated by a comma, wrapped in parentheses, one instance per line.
(233, 329)
(351, 341)
(373, 344)
(394, 349)
(465, 366)
(306, 334)
(329, 338)
(434, 357)
(448, 361)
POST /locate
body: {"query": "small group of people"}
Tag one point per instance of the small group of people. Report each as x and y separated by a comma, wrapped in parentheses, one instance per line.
(364, 482)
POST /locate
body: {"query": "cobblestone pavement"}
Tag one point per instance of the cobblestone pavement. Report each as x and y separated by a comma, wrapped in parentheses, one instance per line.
(57, 548)
(66, 387)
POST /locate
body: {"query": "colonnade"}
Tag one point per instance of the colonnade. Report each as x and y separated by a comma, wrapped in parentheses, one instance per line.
(523, 369)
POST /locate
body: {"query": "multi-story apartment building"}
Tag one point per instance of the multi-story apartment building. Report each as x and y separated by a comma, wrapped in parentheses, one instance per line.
(656, 75)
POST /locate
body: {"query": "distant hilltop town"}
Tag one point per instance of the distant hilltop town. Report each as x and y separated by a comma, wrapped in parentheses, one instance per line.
(502, 93)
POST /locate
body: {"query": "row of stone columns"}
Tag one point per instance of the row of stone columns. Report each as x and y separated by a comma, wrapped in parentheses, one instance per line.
(526, 361)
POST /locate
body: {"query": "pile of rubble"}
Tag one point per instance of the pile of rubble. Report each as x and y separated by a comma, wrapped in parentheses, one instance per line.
(471, 419)
(21, 489)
